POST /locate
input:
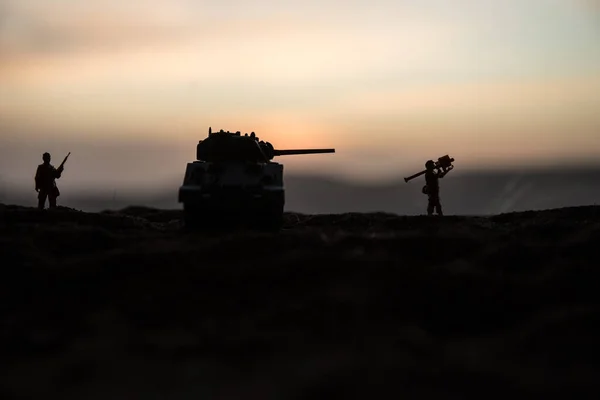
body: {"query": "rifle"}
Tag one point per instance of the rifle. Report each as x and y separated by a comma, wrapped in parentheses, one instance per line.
(442, 165)
(62, 164)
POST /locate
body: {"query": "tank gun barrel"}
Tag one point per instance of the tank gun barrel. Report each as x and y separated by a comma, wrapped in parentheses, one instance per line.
(301, 151)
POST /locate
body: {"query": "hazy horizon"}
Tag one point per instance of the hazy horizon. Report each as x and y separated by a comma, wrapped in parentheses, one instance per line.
(462, 193)
(129, 88)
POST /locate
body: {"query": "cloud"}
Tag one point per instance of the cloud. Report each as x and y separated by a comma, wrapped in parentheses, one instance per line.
(110, 28)
(65, 27)
(545, 97)
(592, 5)
(281, 43)
(180, 43)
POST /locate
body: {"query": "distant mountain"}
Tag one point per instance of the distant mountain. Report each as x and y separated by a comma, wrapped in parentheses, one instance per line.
(462, 194)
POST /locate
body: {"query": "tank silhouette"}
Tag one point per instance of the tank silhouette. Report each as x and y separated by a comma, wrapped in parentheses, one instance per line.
(234, 177)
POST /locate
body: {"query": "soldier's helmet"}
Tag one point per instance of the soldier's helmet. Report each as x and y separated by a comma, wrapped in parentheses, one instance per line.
(46, 157)
(429, 164)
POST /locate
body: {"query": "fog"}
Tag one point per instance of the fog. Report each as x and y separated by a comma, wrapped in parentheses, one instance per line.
(470, 193)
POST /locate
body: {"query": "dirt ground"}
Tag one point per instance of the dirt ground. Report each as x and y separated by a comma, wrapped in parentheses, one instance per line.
(124, 305)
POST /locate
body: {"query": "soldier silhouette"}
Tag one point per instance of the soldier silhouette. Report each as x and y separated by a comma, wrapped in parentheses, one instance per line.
(45, 182)
(432, 188)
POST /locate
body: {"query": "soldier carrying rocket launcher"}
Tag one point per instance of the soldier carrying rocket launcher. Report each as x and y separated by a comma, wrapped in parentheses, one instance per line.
(433, 172)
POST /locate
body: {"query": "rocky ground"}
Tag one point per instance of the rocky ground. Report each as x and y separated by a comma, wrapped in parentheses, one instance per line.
(122, 305)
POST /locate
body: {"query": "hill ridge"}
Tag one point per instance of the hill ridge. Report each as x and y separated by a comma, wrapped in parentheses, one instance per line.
(96, 304)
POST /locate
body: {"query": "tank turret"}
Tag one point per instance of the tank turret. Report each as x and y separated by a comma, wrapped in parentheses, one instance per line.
(225, 146)
(234, 175)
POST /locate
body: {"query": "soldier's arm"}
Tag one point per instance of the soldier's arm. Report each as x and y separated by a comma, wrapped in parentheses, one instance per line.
(58, 172)
(37, 178)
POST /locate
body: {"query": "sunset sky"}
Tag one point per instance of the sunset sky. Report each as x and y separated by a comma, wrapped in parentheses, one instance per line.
(130, 86)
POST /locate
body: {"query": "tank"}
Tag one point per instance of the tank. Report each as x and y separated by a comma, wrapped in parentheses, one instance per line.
(234, 179)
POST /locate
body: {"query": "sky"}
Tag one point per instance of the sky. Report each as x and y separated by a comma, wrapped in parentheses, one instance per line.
(130, 87)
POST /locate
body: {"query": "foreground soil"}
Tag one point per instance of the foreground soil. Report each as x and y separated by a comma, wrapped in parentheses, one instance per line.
(122, 305)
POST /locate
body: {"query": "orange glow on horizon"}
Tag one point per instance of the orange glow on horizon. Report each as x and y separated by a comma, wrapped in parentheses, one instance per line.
(385, 86)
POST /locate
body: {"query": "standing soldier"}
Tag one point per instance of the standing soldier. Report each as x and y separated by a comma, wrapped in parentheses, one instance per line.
(432, 188)
(45, 183)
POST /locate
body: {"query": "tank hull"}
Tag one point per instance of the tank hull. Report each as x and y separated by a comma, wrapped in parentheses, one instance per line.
(235, 194)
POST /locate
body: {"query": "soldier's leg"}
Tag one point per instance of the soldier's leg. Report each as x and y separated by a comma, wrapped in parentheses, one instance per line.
(41, 199)
(438, 205)
(430, 205)
(434, 204)
(52, 201)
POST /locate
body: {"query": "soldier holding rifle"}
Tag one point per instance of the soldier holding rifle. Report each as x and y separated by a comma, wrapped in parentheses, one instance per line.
(45, 181)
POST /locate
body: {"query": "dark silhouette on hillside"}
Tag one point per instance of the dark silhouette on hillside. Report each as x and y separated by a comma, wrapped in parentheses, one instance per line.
(333, 306)
(432, 189)
(433, 172)
(232, 180)
(45, 181)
